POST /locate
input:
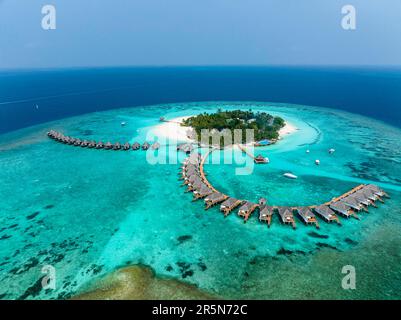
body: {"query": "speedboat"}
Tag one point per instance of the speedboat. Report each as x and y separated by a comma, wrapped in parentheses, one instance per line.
(290, 175)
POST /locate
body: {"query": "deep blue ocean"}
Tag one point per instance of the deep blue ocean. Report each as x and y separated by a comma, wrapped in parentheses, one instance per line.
(90, 213)
(36, 96)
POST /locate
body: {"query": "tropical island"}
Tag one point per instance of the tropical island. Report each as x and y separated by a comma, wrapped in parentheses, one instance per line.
(266, 127)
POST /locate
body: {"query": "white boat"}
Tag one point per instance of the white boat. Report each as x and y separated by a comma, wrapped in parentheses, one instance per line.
(332, 150)
(290, 175)
(123, 123)
(307, 151)
(317, 162)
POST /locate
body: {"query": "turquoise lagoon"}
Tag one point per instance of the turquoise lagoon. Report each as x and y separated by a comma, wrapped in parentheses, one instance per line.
(89, 212)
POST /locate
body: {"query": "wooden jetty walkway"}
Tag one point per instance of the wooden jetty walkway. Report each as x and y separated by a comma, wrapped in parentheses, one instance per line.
(244, 150)
(258, 159)
(357, 199)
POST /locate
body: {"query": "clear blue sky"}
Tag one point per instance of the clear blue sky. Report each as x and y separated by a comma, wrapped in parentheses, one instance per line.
(199, 32)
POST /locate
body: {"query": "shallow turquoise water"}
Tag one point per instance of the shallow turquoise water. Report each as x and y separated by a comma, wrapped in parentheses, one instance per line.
(87, 212)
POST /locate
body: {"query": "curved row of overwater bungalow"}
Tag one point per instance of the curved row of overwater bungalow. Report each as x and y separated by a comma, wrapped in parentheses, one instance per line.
(57, 136)
(348, 205)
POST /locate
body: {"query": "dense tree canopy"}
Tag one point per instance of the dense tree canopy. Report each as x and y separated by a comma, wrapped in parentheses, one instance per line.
(265, 126)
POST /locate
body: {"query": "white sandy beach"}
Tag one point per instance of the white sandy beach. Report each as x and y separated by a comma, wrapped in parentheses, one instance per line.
(287, 129)
(172, 130)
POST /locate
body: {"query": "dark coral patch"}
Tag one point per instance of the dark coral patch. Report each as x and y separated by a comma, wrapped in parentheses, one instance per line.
(202, 266)
(33, 215)
(283, 251)
(314, 234)
(325, 245)
(350, 241)
(33, 290)
(185, 269)
(182, 239)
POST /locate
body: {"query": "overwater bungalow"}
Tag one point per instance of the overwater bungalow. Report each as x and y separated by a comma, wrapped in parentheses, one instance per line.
(196, 185)
(91, 144)
(65, 140)
(326, 213)
(286, 215)
(77, 142)
(84, 143)
(307, 216)
(100, 145)
(203, 192)
(369, 194)
(108, 145)
(191, 179)
(117, 146)
(377, 190)
(259, 159)
(155, 146)
(194, 158)
(186, 147)
(359, 196)
(126, 146)
(145, 146)
(228, 205)
(188, 177)
(189, 171)
(213, 199)
(353, 203)
(189, 174)
(246, 210)
(262, 202)
(71, 141)
(341, 208)
(265, 214)
(190, 162)
(191, 165)
(136, 146)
